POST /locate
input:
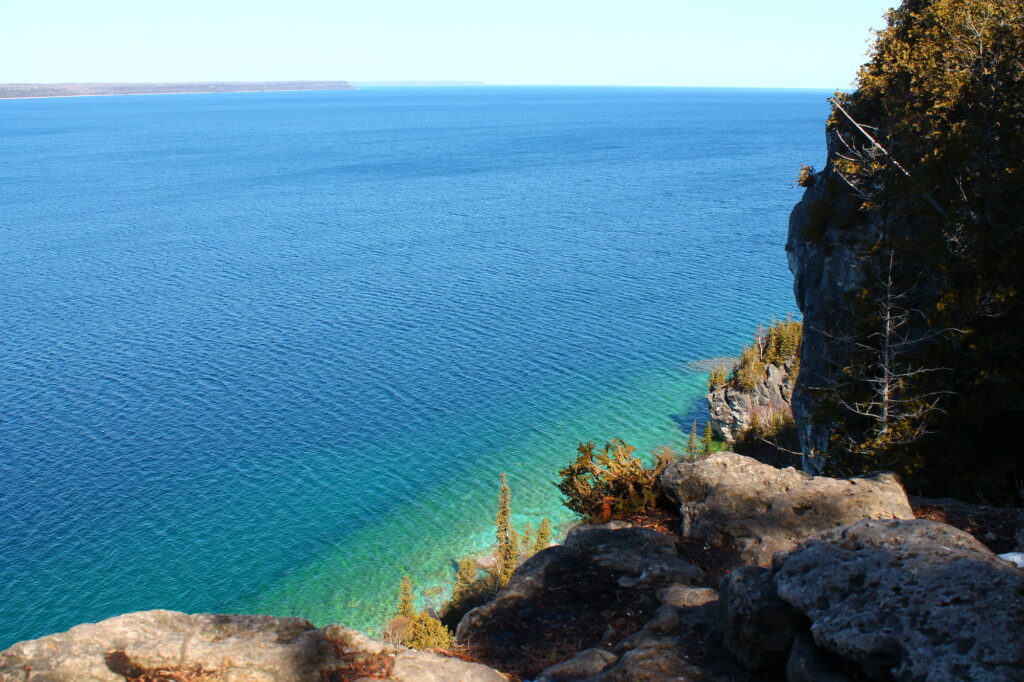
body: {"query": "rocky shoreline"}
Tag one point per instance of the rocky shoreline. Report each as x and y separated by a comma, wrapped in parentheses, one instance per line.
(766, 574)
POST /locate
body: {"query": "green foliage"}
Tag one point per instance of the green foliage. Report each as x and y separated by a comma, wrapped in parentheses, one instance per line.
(543, 535)
(472, 588)
(773, 432)
(508, 538)
(405, 597)
(708, 441)
(806, 176)
(526, 541)
(719, 377)
(427, 632)
(749, 370)
(780, 344)
(502, 519)
(512, 562)
(929, 151)
(609, 483)
(465, 581)
(692, 445)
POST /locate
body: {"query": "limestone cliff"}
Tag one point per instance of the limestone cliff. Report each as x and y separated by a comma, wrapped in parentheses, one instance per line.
(905, 253)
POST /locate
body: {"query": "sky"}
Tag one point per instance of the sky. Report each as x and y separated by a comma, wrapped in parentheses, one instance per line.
(740, 43)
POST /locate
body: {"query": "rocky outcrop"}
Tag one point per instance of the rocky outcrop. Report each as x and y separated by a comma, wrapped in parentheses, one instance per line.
(167, 645)
(732, 410)
(881, 599)
(757, 627)
(728, 500)
(824, 257)
(917, 600)
(609, 589)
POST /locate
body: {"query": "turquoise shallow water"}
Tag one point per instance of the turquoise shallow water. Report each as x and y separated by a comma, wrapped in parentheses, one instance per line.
(267, 352)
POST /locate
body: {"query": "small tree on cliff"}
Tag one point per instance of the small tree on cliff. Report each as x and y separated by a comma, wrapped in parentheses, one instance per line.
(405, 597)
(543, 535)
(427, 632)
(465, 582)
(507, 538)
(708, 440)
(610, 483)
(881, 396)
(526, 541)
(692, 447)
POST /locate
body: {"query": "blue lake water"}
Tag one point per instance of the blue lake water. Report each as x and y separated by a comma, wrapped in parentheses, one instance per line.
(266, 352)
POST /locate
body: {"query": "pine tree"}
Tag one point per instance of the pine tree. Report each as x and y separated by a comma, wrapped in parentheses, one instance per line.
(503, 518)
(405, 597)
(511, 559)
(427, 632)
(504, 532)
(464, 581)
(543, 535)
(527, 541)
(692, 449)
(708, 438)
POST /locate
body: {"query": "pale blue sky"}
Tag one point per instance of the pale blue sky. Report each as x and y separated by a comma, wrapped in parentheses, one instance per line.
(786, 43)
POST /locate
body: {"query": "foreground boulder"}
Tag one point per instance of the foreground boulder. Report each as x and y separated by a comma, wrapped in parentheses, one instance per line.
(609, 590)
(884, 600)
(167, 645)
(914, 600)
(731, 501)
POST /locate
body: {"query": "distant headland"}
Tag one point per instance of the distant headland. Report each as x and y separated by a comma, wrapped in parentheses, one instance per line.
(411, 84)
(22, 90)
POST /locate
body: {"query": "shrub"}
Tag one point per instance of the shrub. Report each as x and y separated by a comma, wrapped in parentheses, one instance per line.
(719, 377)
(543, 535)
(405, 597)
(806, 176)
(427, 632)
(779, 345)
(609, 483)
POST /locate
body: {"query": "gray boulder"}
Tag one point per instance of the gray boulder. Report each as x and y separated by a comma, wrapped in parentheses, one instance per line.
(228, 648)
(731, 501)
(586, 663)
(757, 627)
(637, 559)
(809, 663)
(910, 600)
(657, 661)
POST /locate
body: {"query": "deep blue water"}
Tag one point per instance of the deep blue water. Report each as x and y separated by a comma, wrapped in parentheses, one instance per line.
(267, 352)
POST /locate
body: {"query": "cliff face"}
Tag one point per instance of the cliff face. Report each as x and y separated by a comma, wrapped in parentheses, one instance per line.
(823, 256)
(905, 252)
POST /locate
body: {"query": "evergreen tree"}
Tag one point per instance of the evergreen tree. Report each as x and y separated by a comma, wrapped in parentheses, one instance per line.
(405, 597)
(503, 518)
(427, 632)
(511, 559)
(692, 449)
(543, 535)
(527, 541)
(708, 439)
(505, 533)
(464, 581)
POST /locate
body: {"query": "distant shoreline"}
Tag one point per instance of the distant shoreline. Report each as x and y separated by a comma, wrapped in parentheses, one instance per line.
(40, 91)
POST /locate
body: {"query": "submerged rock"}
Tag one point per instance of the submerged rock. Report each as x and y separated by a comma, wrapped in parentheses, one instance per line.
(731, 501)
(167, 645)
